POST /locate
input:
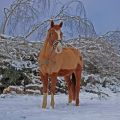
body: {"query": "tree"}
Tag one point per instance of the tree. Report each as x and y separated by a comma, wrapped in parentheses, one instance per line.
(30, 18)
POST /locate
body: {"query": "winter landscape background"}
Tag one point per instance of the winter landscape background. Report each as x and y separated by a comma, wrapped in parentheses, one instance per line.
(23, 28)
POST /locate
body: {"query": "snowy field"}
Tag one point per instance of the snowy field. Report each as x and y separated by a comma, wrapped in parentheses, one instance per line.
(25, 107)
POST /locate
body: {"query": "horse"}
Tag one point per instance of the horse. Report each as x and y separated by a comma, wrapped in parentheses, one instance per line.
(55, 60)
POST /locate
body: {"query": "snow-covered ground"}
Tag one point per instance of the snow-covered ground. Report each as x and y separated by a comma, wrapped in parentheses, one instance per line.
(25, 107)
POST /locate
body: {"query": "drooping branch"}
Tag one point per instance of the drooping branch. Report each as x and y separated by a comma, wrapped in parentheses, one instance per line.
(27, 18)
(64, 16)
(9, 12)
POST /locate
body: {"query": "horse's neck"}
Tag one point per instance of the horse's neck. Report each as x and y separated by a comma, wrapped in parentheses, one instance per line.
(47, 49)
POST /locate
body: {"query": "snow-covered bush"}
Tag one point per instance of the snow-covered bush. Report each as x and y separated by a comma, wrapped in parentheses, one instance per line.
(18, 64)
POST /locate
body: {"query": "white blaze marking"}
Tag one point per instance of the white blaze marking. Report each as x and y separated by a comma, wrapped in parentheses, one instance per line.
(59, 45)
(58, 33)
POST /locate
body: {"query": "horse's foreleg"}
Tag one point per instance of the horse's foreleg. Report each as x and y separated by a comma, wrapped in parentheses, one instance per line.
(78, 78)
(53, 87)
(44, 104)
(45, 89)
(68, 81)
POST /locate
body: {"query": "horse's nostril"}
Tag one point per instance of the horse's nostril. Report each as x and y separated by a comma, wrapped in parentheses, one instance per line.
(58, 50)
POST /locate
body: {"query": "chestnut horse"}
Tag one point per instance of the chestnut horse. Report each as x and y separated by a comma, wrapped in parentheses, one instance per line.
(55, 60)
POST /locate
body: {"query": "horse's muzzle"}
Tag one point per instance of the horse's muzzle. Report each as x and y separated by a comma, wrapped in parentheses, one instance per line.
(58, 46)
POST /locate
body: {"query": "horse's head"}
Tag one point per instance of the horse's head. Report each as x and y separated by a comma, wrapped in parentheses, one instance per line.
(54, 36)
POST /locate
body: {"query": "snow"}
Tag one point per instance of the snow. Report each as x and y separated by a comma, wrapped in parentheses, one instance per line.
(6, 36)
(26, 107)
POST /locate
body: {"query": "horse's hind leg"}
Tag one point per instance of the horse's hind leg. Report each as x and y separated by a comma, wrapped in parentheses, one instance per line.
(68, 81)
(53, 87)
(73, 87)
(45, 89)
(78, 78)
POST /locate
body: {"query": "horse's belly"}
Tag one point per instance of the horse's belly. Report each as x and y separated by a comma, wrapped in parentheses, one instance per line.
(50, 68)
(69, 62)
(64, 72)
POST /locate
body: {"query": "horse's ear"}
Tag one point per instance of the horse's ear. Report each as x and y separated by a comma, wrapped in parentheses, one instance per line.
(61, 24)
(52, 23)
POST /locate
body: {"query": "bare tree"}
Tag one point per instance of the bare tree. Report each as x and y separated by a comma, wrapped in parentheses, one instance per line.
(21, 11)
(29, 18)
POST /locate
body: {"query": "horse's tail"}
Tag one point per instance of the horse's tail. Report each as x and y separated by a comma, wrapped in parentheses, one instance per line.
(73, 80)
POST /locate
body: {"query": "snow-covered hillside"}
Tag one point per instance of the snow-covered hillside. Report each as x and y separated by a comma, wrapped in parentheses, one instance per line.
(100, 85)
(99, 56)
(18, 63)
(25, 107)
(113, 37)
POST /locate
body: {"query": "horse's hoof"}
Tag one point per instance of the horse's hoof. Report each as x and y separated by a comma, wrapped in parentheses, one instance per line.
(44, 106)
(52, 104)
(77, 105)
(69, 101)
